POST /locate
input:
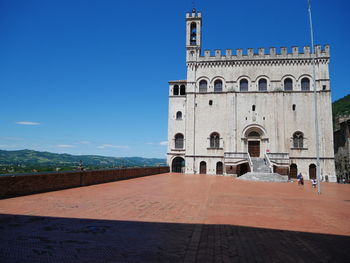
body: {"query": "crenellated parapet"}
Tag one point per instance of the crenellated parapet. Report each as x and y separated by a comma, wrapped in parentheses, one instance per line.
(261, 54)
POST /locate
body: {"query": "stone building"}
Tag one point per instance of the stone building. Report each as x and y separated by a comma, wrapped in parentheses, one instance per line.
(342, 148)
(237, 108)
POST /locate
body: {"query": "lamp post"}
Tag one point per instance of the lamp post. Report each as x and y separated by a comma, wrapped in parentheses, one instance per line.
(313, 55)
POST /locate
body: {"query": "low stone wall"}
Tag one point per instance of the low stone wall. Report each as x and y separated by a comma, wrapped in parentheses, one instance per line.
(24, 184)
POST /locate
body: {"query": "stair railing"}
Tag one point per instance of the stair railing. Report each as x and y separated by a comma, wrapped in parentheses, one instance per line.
(268, 162)
(250, 162)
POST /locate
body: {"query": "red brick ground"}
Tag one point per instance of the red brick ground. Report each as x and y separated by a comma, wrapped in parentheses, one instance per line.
(174, 217)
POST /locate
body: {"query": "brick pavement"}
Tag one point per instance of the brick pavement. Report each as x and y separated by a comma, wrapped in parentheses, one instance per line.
(179, 218)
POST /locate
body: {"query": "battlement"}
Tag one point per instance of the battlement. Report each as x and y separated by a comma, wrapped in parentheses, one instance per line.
(193, 14)
(274, 53)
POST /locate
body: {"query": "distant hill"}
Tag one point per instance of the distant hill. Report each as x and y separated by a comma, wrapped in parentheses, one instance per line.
(341, 107)
(28, 160)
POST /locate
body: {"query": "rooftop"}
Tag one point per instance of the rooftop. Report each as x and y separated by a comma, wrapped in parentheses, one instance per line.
(175, 217)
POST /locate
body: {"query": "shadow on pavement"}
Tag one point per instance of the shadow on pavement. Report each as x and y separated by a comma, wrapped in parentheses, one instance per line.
(50, 239)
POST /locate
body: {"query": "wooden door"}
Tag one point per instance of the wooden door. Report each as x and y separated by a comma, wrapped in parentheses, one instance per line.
(219, 168)
(293, 172)
(312, 171)
(203, 168)
(254, 148)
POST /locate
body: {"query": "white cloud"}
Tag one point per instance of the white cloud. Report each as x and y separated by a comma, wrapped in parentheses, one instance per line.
(104, 146)
(65, 146)
(163, 143)
(83, 142)
(27, 123)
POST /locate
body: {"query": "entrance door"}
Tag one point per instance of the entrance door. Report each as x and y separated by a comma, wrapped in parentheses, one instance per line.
(293, 171)
(219, 168)
(178, 165)
(254, 148)
(203, 168)
(312, 171)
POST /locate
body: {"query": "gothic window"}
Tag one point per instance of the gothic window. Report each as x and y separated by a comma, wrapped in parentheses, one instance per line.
(253, 108)
(176, 90)
(262, 84)
(298, 140)
(218, 85)
(179, 115)
(182, 90)
(193, 37)
(203, 85)
(243, 85)
(179, 141)
(214, 140)
(288, 84)
(305, 84)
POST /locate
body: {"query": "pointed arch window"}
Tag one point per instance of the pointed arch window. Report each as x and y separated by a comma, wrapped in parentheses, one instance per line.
(262, 84)
(288, 84)
(218, 85)
(243, 85)
(179, 141)
(298, 140)
(305, 84)
(203, 86)
(214, 140)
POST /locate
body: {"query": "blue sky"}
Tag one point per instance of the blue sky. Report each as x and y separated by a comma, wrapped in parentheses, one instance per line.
(91, 77)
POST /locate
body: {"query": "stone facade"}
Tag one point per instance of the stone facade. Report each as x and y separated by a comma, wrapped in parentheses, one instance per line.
(342, 148)
(232, 107)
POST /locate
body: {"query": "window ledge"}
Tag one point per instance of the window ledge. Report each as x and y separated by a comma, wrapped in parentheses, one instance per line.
(178, 149)
(293, 148)
(215, 148)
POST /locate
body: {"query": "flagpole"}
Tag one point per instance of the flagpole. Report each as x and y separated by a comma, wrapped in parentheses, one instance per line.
(313, 55)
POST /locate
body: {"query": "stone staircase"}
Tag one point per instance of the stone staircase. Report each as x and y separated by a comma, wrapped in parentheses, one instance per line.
(262, 172)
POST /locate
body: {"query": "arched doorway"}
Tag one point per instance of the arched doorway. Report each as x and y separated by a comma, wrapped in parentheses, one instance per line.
(312, 171)
(293, 172)
(254, 144)
(219, 168)
(203, 167)
(178, 165)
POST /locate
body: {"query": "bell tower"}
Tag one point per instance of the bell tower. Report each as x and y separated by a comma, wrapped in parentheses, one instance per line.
(193, 35)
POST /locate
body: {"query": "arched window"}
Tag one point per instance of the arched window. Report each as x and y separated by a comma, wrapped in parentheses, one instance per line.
(288, 84)
(203, 85)
(214, 140)
(218, 85)
(176, 90)
(243, 85)
(298, 140)
(262, 84)
(305, 84)
(182, 90)
(179, 141)
(179, 115)
(193, 37)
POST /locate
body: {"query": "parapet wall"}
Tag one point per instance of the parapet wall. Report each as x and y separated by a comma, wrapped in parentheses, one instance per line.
(17, 185)
(274, 53)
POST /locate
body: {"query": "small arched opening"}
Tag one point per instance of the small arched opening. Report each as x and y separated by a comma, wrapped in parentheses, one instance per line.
(182, 90)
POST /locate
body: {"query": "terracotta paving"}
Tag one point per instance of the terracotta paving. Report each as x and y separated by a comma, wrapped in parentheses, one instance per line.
(179, 218)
